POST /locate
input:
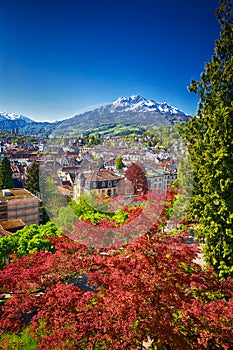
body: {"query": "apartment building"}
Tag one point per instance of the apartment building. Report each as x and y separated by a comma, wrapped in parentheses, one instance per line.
(19, 207)
(102, 181)
(160, 179)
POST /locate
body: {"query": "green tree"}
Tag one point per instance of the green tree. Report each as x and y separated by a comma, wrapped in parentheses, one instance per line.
(28, 240)
(6, 180)
(119, 163)
(32, 182)
(100, 162)
(65, 217)
(210, 140)
(24, 340)
(53, 200)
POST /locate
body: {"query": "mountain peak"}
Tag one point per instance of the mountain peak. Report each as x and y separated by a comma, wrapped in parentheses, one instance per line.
(13, 116)
(134, 110)
(131, 99)
(138, 103)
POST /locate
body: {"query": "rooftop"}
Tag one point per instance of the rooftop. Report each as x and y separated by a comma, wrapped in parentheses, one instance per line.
(12, 194)
(101, 175)
(12, 224)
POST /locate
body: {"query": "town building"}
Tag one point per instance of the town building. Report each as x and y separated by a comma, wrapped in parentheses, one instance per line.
(19, 207)
(22, 155)
(160, 178)
(101, 181)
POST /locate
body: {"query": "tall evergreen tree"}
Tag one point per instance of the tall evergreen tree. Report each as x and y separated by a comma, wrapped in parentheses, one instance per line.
(32, 182)
(6, 180)
(210, 140)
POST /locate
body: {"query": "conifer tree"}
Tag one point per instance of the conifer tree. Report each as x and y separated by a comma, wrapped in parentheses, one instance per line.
(32, 182)
(6, 180)
(210, 140)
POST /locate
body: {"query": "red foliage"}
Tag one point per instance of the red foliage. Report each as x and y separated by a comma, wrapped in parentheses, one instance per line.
(137, 176)
(140, 219)
(149, 288)
(83, 296)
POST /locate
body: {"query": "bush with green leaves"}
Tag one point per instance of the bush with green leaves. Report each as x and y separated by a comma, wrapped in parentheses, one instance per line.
(28, 240)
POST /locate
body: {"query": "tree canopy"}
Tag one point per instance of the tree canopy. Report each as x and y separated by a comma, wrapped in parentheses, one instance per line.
(58, 293)
(137, 176)
(210, 140)
(119, 162)
(77, 298)
(32, 181)
(26, 241)
(6, 180)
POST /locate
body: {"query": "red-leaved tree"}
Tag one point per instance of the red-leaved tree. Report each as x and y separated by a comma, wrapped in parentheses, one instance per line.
(88, 298)
(137, 176)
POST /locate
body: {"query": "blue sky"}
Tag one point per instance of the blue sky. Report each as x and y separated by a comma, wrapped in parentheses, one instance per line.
(58, 57)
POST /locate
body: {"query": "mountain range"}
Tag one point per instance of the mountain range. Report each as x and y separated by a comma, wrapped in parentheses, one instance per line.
(130, 112)
(25, 125)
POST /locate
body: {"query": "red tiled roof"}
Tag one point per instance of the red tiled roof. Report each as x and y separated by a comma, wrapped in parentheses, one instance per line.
(101, 175)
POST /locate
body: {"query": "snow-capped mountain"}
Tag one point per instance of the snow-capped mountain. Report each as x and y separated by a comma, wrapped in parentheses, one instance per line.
(135, 111)
(141, 104)
(9, 121)
(15, 117)
(24, 125)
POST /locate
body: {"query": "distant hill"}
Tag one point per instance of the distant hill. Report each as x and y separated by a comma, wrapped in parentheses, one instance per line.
(134, 113)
